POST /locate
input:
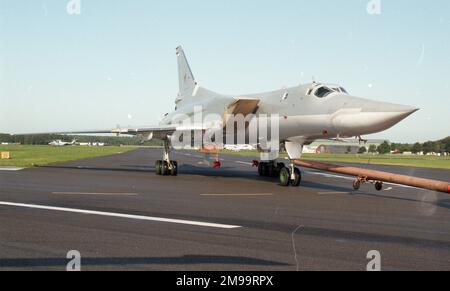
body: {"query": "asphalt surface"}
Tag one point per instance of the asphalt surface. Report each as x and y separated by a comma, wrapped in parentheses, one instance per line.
(323, 225)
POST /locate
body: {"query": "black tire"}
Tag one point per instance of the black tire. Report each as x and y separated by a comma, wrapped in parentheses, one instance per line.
(270, 171)
(260, 169)
(298, 178)
(164, 168)
(356, 185)
(285, 177)
(265, 169)
(379, 186)
(174, 170)
(158, 167)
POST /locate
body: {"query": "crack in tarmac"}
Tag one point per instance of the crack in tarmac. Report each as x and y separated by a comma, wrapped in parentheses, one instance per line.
(293, 246)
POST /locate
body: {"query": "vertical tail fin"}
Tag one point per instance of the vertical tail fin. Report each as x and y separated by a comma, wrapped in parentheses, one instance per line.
(185, 76)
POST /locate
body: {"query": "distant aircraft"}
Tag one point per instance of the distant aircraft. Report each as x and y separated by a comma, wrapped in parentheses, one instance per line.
(305, 113)
(237, 148)
(60, 143)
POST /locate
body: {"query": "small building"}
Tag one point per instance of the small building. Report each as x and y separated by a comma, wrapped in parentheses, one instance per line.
(309, 149)
(236, 148)
(345, 146)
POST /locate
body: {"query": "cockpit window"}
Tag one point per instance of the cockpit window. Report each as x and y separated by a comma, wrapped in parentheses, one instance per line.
(323, 92)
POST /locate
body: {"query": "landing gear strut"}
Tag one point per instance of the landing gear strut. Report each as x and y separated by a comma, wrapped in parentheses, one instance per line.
(166, 167)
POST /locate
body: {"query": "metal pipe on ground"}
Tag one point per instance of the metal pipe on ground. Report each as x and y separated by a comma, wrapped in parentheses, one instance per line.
(373, 175)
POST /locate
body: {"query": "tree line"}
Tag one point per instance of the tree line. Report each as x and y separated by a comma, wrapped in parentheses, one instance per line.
(45, 139)
(440, 147)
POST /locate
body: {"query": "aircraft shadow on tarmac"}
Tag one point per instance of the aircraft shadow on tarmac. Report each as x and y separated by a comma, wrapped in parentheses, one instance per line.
(445, 203)
(186, 169)
(139, 169)
(229, 172)
(225, 172)
(123, 261)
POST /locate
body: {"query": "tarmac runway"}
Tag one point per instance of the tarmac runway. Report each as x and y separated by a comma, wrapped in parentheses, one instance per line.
(121, 216)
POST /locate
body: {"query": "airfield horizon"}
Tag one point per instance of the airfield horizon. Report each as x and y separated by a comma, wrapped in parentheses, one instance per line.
(41, 155)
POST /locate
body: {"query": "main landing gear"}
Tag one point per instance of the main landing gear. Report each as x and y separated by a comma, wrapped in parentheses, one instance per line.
(288, 175)
(361, 180)
(166, 167)
(268, 169)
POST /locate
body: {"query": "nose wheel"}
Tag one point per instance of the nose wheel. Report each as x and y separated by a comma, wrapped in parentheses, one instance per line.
(291, 177)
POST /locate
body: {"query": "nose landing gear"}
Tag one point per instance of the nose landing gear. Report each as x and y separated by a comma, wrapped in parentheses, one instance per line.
(290, 176)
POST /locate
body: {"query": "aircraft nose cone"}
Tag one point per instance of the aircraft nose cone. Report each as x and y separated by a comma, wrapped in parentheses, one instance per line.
(363, 116)
(393, 113)
(400, 109)
(376, 106)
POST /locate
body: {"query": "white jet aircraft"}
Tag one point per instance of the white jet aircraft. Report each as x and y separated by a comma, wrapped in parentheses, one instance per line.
(60, 143)
(304, 113)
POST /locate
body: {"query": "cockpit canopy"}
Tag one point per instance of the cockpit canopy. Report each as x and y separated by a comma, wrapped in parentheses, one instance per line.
(324, 90)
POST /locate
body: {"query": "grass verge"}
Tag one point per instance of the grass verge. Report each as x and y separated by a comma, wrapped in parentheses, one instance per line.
(29, 155)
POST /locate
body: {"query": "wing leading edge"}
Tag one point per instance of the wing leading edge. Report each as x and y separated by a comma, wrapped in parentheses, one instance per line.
(125, 131)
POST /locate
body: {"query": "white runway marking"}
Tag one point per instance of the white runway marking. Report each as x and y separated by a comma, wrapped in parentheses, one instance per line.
(352, 179)
(10, 169)
(100, 194)
(120, 215)
(244, 163)
(243, 194)
(332, 193)
(328, 175)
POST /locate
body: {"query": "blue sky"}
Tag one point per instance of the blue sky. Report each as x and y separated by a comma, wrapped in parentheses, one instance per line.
(115, 62)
